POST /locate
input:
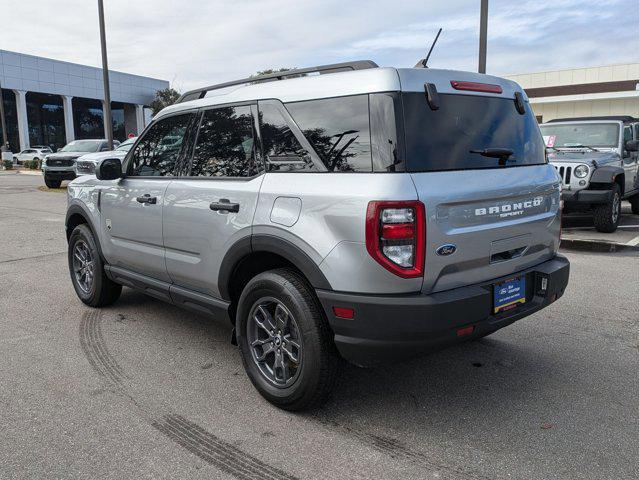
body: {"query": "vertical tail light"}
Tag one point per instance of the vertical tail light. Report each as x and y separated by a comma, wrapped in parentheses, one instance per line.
(396, 236)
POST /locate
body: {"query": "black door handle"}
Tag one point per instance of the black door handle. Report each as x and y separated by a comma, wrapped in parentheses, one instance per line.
(224, 205)
(146, 198)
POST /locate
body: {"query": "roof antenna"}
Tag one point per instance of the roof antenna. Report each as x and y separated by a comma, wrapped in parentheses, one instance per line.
(423, 63)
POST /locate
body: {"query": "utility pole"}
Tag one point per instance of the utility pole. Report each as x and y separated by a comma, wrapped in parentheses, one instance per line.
(483, 35)
(5, 137)
(108, 121)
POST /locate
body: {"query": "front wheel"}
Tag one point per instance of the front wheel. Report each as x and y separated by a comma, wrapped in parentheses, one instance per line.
(286, 344)
(52, 182)
(606, 216)
(90, 282)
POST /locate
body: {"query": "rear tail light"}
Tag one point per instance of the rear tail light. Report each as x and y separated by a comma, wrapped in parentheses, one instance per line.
(396, 236)
(476, 87)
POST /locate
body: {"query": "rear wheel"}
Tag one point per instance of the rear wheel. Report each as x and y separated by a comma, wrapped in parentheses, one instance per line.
(90, 282)
(606, 216)
(52, 182)
(285, 341)
(634, 203)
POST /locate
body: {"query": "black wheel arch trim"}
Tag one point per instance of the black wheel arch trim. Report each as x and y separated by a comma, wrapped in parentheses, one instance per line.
(76, 209)
(606, 174)
(269, 244)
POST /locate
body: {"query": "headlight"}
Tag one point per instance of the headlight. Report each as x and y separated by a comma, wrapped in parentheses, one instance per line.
(44, 162)
(582, 171)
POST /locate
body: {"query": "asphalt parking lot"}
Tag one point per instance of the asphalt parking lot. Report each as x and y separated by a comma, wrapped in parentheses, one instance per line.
(144, 390)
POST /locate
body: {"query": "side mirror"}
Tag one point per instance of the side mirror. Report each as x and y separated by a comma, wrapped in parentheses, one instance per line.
(109, 169)
(632, 145)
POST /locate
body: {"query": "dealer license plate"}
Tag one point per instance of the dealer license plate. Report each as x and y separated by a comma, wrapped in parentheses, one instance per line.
(509, 294)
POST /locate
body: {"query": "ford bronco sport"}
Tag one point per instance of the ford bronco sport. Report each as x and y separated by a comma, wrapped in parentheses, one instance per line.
(596, 158)
(365, 213)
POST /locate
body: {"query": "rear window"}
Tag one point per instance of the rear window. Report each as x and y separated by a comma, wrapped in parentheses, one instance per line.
(443, 139)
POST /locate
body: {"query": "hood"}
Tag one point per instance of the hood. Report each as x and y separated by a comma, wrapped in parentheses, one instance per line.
(96, 157)
(65, 155)
(582, 156)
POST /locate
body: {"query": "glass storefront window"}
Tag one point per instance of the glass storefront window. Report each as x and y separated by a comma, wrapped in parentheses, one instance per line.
(45, 115)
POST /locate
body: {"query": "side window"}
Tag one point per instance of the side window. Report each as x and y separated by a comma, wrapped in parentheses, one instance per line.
(338, 129)
(627, 133)
(636, 128)
(225, 144)
(158, 151)
(386, 144)
(282, 150)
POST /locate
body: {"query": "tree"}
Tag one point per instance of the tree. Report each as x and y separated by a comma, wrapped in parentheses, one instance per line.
(268, 71)
(164, 98)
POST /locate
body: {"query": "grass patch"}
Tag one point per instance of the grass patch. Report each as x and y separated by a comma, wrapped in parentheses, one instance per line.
(43, 188)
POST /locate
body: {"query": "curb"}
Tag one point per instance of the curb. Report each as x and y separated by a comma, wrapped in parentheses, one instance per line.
(597, 246)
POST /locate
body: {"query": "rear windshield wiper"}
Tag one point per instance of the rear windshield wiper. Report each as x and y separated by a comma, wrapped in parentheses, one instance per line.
(503, 154)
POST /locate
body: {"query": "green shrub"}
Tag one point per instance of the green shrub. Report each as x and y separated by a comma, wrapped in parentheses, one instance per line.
(26, 163)
(8, 164)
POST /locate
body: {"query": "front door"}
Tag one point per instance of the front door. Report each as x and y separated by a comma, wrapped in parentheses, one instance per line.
(212, 206)
(629, 161)
(131, 208)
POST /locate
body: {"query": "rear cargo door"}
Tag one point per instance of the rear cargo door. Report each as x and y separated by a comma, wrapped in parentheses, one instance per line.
(492, 201)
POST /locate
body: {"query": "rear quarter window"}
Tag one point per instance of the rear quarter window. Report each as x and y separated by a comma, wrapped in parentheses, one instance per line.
(443, 139)
(338, 129)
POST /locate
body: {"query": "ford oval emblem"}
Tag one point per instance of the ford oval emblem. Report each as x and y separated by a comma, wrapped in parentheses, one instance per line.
(446, 250)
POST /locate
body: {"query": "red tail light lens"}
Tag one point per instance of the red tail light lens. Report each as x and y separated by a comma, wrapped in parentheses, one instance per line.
(476, 87)
(396, 236)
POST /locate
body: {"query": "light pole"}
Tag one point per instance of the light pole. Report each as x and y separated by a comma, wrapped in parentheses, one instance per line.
(483, 35)
(108, 122)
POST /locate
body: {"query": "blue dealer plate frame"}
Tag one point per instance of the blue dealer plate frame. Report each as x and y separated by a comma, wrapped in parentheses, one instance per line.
(509, 294)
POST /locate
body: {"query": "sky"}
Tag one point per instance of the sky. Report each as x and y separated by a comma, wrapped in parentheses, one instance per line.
(200, 42)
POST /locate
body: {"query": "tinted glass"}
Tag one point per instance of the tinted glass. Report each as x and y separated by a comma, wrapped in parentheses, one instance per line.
(225, 144)
(387, 147)
(627, 134)
(575, 134)
(159, 150)
(442, 139)
(338, 130)
(282, 150)
(82, 146)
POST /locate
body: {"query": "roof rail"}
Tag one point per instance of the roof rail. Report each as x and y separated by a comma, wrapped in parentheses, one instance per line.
(322, 69)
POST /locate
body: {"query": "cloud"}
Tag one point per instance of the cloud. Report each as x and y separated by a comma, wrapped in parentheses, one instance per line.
(195, 43)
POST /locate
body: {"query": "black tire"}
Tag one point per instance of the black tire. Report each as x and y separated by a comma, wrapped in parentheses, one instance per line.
(102, 291)
(606, 216)
(52, 182)
(634, 204)
(316, 372)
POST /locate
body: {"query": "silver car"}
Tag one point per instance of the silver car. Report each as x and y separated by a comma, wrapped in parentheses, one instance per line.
(85, 165)
(367, 213)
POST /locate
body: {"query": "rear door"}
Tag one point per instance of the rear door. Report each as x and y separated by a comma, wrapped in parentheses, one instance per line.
(131, 208)
(630, 158)
(487, 216)
(211, 206)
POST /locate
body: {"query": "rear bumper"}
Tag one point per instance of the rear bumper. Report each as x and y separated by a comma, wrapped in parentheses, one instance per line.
(401, 326)
(582, 197)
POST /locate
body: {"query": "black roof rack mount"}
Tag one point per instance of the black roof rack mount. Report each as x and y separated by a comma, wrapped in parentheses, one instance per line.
(322, 69)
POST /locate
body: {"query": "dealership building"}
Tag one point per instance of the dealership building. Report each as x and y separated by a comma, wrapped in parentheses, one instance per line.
(583, 92)
(50, 102)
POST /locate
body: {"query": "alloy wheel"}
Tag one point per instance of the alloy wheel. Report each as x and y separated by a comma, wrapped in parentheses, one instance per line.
(83, 266)
(274, 341)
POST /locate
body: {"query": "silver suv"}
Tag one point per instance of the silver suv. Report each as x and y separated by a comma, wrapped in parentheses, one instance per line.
(597, 160)
(366, 213)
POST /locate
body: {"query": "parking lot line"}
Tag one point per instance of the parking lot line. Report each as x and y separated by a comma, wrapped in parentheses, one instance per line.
(634, 242)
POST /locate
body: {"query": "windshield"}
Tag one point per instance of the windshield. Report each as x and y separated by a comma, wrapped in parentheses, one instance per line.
(469, 132)
(577, 134)
(82, 146)
(126, 145)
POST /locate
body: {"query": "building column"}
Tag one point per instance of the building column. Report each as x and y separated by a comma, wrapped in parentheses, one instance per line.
(23, 122)
(69, 127)
(139, 117)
